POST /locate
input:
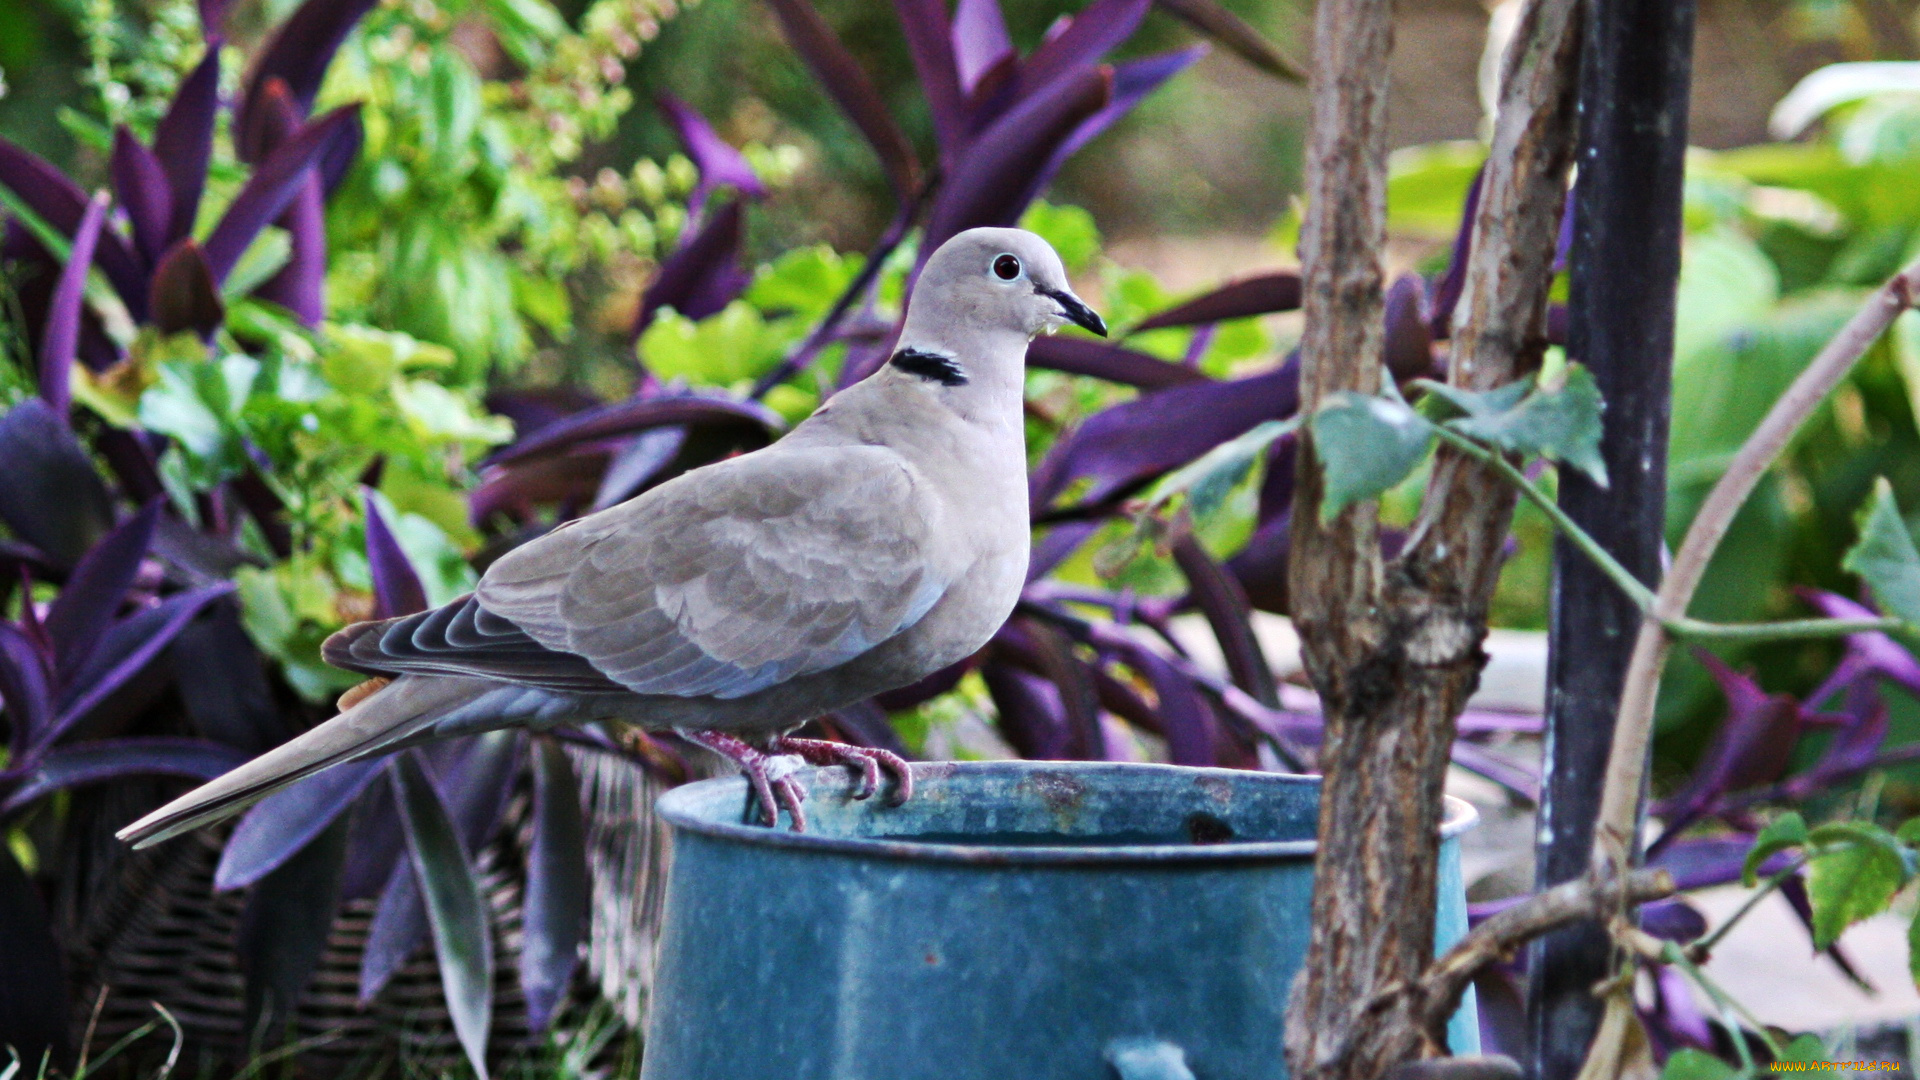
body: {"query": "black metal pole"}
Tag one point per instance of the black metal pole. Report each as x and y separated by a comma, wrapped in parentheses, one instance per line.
(1635, 68)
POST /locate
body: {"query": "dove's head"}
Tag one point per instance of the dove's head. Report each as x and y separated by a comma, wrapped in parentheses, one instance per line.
(994, 283)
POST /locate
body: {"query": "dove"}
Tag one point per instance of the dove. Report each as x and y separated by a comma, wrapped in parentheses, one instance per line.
(883, 539)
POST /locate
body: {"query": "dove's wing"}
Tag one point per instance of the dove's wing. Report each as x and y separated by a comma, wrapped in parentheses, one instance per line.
(722, 582)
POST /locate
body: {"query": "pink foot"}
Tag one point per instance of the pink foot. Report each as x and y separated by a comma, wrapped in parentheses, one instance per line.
(768, 774)
(868, 761)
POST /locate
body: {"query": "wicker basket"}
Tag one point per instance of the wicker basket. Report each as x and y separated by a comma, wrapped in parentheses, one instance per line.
(149, 927)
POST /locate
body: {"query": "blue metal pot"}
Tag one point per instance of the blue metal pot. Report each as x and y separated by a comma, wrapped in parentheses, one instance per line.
(1016, 920)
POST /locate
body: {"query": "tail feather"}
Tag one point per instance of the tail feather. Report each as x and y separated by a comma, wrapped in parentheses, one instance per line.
(378, 722)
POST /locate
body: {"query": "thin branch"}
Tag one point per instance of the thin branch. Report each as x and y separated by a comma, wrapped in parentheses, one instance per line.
(1633, 729)
(1683, 628)
(1437, 995)
(1703, 948)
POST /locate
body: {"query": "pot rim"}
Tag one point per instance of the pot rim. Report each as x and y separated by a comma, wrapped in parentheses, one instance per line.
(1460, 816)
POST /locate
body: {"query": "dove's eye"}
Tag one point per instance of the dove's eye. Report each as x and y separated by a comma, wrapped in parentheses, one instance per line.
(1006, 267)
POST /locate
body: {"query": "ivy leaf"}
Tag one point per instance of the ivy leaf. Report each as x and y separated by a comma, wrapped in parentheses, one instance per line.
(1789, 830)
(1852, 882)
(1557, 417)
(1909, 833)
(1690, 1064)
(1208, 479)
(1366, 445)
(1885, 557)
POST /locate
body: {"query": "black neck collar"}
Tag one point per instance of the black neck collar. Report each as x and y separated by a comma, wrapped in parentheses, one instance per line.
(936, 367)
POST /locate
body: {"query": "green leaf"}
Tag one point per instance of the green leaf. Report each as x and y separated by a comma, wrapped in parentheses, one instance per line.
(1557, 418)
(1691, 1064)
(1069, 229)
(1909, 833)
(262, 259)
(462, 939)
(1789, 830)
(1806, 1048)
(1207, 479)
(1885, 557)
(1366, 445)
(1849, 883)
(1913, 949)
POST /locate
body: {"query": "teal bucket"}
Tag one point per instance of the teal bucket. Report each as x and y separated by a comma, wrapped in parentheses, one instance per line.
(1016, 920)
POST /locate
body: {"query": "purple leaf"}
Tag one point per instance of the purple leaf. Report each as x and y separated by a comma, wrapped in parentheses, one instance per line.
(531, 410)
(183, 141)
(97, 589)
(1219, 598)
(1187, 722)
(637, 464)
(398, 927)
(300, 285)
(1868, 654)
(992, 182)
(1213, 19)
(375, 846)
(1098, 29)
(1065, 690)
(1519, 780)
(26, 688)
(1673, 920)
(1261, 566)
(113, 759)
(1027, 711)
(930, 43)
(1409, 340)
(142, 187)
(720, 165)
(1114, 363)
(835, 69)
(1260, 295)
(266, 510)
(37, 271)
(133, 461)
(213, 16)
(1446, 294)
(284, 929)
(61, 340)
(49, 494)
(1676, 1015)
(928, 688)
(63, 205)
(273, 186)
(1563, 241)
(126, 651)
(34, 1005)
(979, 40)
(221, 679)
(1702, 862)
(702, 276)
(639, 414)
(185, 296)
(558, 888)
(1132, 81)
(1135, 441)
(1752, 746)
(288, 820)
(396, 587)
(298, 54)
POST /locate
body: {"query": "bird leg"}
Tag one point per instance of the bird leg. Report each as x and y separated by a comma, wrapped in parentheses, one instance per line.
(867, 760)
(770, 775)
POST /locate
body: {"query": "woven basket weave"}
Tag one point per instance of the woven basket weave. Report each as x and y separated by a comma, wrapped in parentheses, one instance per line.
(149, 927)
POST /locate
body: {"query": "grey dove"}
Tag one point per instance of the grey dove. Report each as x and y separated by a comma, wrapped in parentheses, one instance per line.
(881, 540)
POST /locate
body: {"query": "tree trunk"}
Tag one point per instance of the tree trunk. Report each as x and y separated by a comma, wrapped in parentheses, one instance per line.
(1394, 647)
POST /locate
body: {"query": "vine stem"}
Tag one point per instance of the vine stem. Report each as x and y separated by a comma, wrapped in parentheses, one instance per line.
(1704, 947)
(1642, 596)
(1633, 728)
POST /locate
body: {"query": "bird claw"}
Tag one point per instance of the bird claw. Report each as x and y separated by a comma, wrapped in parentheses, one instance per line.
(770, 773)
(867, 760)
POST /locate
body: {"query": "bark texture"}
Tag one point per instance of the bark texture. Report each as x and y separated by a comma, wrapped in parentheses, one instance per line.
(1394, 649)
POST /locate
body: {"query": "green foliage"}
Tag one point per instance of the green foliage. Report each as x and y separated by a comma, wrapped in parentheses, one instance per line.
(1366, 444)
(1555, 415)
(1788, 830)
(1854, 870)
(1885, 557)
(1690, 1064)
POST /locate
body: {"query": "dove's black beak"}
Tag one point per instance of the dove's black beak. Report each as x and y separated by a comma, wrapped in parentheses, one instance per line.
(1076, 312)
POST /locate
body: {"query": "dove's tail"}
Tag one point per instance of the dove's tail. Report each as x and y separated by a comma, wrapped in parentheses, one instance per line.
(376, 722)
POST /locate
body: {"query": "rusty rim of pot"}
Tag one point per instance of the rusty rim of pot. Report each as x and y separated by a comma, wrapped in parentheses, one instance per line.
(686, 807)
